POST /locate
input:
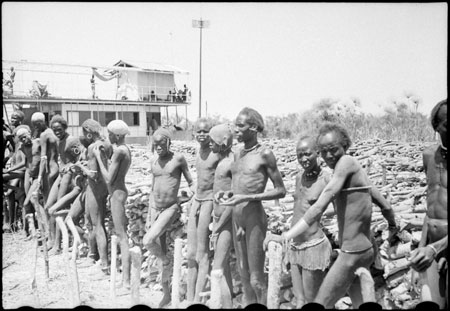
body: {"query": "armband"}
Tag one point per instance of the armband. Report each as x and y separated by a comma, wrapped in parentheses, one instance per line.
(44, 157)
(433, 248)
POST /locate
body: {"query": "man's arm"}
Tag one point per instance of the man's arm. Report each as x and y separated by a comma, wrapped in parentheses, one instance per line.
(16, 167)
(109, 175)
(186, 173)
(43, 139)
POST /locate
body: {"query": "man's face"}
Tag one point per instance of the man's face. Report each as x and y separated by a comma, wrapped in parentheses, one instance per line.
(202, 133)
(242, 128)
(25, 139)
(59, 130)
(87, 137)
(15, 120)
(215, 148)
(331, 149)
(442, 126)
(160, 145)
(112, 137)
(306, 154)
(39, 125)
(75, 150)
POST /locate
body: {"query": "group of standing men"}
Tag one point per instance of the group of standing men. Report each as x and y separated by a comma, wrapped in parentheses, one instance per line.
(229, 192)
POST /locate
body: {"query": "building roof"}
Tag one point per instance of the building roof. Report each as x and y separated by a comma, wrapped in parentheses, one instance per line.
(147, 66)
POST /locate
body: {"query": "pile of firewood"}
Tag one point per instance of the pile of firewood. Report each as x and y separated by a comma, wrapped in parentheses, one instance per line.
(395, 168)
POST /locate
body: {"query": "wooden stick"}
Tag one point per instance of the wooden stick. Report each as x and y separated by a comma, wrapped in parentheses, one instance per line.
(112, 285)
(383, 181)
(73, 262)
(65, 240)
(367, 285)
(273, 289)
(34, 288)
(176, 278)
(135, 253)
(214, 301)
(43, 227)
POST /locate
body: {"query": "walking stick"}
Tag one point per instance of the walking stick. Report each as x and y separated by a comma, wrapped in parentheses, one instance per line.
(273, 289)
(367, 285)
(135, 253)
(73, 262)
(65, 238)
(34, 288)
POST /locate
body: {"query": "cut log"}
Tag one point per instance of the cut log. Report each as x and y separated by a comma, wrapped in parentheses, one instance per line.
(73, 262)
(273, 289)
(176, 278)
(135, 253)
(367, 285)
(112, 285)
(65, 243)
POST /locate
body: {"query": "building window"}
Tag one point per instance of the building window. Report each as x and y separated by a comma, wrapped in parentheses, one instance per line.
(104, 117)
(130, 118)
(76, 118)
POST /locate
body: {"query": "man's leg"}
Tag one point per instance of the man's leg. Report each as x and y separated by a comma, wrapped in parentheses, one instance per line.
(192, 252)
(52, 198)
(202, 256)
(96, 207)
(430, 285)
(221, 263)
(341, 276)
(118, 200)
(240, 248)
(255, 235)
(312, 279)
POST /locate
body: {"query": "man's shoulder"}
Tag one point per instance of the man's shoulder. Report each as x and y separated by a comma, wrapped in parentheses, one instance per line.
(430, 150)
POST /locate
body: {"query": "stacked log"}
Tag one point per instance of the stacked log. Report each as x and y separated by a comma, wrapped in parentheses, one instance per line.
(393, 167)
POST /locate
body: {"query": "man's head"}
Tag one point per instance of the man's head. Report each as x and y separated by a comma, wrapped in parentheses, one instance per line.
(38, 121)
(117, 129)
(59, 126)
(161, 141)
(23, 134)
(202, 128)
(221, 138)
(74, 147)
(17, 118)
(307, 152)
(248, 123)
(333, 141)
(439, 120)
(91, 129)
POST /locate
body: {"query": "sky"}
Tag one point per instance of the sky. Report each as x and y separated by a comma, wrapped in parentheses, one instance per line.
(278, 58)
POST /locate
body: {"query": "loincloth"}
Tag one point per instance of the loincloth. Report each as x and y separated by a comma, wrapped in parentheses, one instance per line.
(200, 204)
(311, 255)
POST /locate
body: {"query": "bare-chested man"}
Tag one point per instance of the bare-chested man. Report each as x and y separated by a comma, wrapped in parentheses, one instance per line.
(200, 214)
(309, 254)
(96, 191)
(164, 208)
(221, 141)
(63, 182)
(430, 258)
(16, 187)
(115, 179)
(353, 194)
(31, 149)
(49, 169)
(253, 166)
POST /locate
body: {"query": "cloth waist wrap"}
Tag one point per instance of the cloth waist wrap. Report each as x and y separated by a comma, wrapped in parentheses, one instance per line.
(311, 255)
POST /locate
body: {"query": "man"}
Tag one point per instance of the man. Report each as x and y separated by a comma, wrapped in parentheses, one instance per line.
(164, 208)
(115, 179)
(200, 214)
(63, 182)
(353, 194)
(49, 169)
(221, 141)
(31, 149)
(430, 258)
(309, 254)
(16, 187)
(97, 191)
(253, 166)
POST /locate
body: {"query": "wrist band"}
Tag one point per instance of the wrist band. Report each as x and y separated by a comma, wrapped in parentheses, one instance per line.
(433, 248)
(44, 157)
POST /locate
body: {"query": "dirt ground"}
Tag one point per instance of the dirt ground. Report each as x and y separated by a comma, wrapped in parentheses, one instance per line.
(17, 272)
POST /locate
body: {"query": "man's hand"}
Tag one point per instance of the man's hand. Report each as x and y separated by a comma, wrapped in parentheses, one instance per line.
(421, 258)
(234, 199)
(393, 230)
(96, 151)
